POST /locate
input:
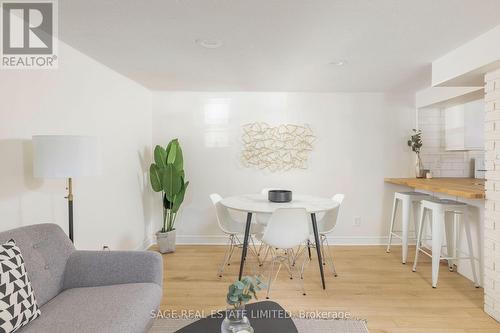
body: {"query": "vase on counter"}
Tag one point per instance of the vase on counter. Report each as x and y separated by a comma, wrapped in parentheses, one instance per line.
(419, 167)
(236, 321)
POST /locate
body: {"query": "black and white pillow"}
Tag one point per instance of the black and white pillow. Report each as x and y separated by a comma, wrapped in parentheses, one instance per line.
(17, 300)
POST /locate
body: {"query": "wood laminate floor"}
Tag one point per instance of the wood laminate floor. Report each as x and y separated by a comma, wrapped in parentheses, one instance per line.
(371, 285)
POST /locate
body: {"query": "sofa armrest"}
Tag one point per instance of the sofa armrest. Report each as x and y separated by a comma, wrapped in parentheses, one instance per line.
(101, 268)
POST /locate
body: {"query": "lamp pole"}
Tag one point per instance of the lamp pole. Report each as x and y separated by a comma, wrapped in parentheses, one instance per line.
(70, 207)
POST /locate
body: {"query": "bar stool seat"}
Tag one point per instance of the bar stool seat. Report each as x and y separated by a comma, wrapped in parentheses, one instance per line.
(439, 208)
(407, 199)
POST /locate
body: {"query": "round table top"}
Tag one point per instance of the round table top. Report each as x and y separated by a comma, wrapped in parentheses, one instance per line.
(258, 203)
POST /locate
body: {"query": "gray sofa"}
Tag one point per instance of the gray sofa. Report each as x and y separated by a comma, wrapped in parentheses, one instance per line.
(87, 291)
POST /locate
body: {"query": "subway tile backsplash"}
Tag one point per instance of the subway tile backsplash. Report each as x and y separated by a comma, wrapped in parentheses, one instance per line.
(442, 163)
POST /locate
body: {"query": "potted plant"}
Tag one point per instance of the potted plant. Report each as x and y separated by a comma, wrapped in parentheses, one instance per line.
(240, 293)
(167, 177)
(415, 143)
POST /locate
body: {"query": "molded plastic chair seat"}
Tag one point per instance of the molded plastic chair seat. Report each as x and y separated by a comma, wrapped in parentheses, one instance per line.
(287, 228)
(232, 228)
(263, 218)
(326, 225)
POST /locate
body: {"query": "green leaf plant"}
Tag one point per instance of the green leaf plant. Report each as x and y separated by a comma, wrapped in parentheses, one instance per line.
(242, 291)
(167, 177)
(415, 141)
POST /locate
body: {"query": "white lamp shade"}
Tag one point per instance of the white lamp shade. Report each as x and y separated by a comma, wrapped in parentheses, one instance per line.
(64, 156)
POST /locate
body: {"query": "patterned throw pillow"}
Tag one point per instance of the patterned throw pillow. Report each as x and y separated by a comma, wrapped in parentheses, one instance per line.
(17, 301)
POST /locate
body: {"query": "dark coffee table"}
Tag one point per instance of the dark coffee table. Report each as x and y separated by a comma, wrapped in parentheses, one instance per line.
(265, 317)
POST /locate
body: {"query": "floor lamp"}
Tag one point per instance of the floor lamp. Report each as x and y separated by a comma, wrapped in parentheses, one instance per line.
(66, 156)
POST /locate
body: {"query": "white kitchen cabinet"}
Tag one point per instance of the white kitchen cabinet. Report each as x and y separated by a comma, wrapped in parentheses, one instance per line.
(464, 126)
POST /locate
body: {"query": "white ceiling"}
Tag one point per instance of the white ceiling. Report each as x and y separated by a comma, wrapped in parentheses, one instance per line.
(274, 45)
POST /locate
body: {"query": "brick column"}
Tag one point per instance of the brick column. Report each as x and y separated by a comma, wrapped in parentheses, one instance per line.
(492, 213)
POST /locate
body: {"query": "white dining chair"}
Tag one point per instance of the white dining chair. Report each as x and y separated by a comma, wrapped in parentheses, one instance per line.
(232, 229)
(326, 224)
(263, 218)
(287, 229)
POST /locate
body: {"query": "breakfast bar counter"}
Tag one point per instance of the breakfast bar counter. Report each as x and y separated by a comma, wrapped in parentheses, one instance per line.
(469, 188)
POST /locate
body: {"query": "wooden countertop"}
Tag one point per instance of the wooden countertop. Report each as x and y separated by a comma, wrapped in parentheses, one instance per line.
(470, 188)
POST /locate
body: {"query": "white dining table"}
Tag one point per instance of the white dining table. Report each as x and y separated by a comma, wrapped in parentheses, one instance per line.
(258, 203)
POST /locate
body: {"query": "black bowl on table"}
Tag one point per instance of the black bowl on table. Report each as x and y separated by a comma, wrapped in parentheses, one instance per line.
(279, 195)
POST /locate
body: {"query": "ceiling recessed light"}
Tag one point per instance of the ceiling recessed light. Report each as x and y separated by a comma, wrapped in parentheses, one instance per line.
(338, 62)
(209, 43)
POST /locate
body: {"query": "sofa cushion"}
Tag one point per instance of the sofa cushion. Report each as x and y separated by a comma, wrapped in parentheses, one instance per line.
(45, 249)
(122, 308)
(17, 300)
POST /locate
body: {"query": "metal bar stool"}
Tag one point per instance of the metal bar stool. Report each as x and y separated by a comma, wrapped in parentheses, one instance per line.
(439, 209)
(407, 199)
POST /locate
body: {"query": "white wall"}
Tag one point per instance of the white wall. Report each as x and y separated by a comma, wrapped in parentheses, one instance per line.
(361, 138)
(81, 97)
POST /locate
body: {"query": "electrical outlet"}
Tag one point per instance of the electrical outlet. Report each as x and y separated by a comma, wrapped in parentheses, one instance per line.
(357, 221)
(105, 248)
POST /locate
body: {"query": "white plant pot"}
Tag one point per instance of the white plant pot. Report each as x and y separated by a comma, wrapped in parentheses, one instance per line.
(166, 241)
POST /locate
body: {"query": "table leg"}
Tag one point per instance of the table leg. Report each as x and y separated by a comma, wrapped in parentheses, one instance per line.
(318, 248)
(245, 244)
(309, 249)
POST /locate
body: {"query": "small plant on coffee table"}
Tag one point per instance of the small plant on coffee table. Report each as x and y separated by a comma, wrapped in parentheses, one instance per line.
(241, 292)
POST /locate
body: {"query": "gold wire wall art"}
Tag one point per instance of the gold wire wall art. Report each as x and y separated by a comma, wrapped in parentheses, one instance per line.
(279, 148)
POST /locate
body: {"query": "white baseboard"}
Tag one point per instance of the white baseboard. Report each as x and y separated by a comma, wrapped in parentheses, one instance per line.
(335, 240)
(201, 239)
